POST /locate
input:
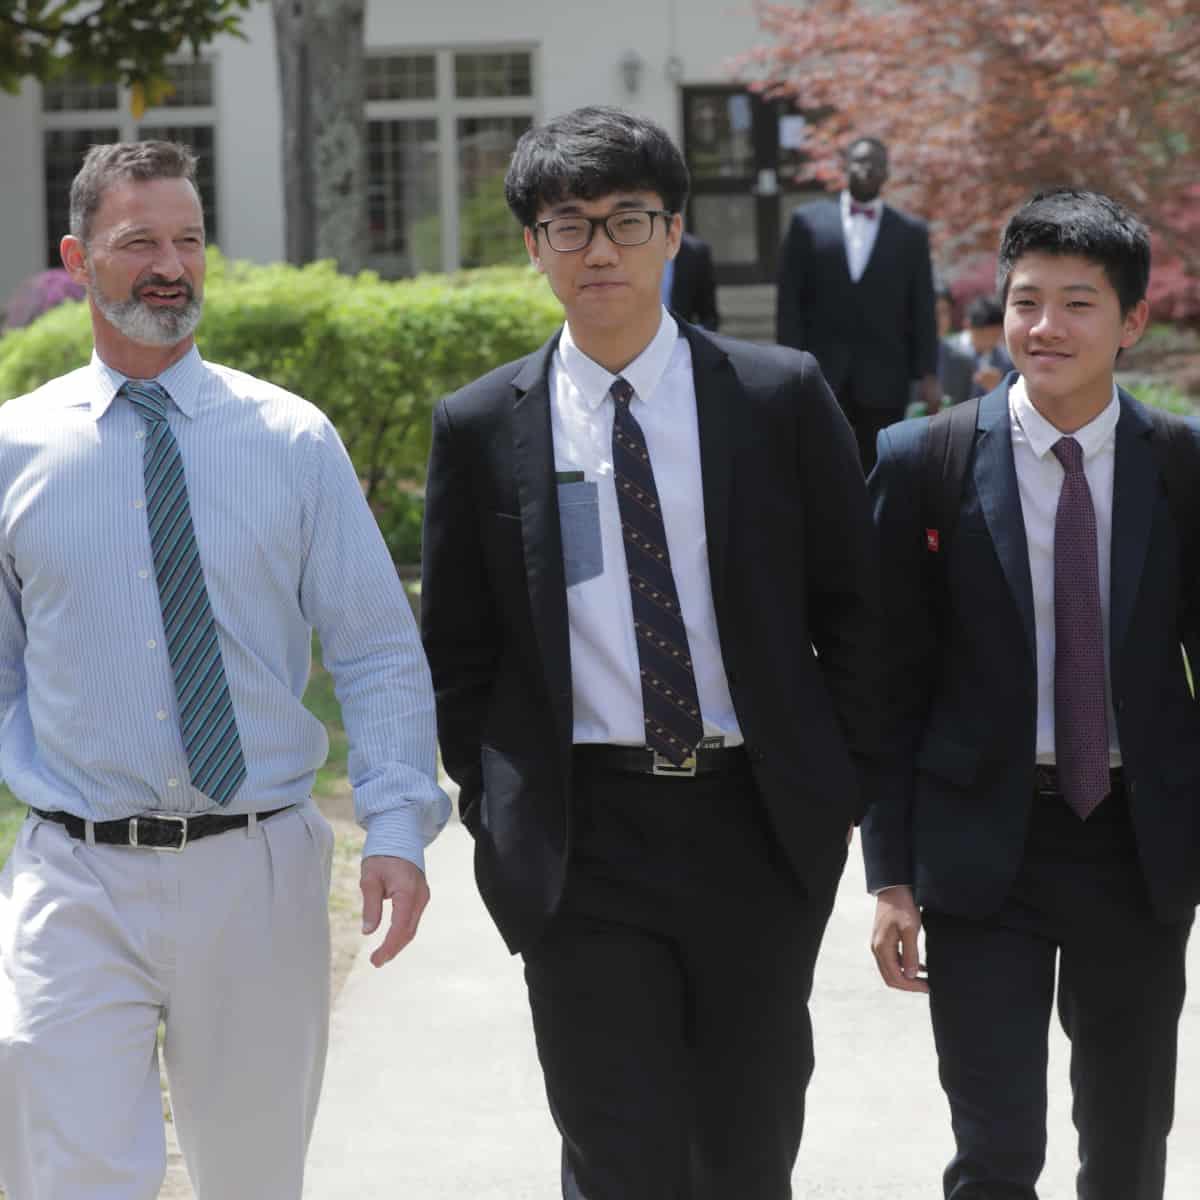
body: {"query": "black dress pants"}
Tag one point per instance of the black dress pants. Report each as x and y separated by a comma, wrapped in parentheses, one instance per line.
(1079, 901)
(867, 420)
(669, 995)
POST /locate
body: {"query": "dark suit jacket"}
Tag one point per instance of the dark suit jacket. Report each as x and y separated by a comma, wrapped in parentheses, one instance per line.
(871, 337)
(961, 715)
(955, 371)
(694, 284)
(792, 564)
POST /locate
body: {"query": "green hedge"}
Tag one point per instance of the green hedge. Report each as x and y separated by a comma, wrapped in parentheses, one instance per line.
(373, 355)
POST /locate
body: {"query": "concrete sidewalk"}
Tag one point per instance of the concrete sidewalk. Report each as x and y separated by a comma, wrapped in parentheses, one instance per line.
(433, 1091)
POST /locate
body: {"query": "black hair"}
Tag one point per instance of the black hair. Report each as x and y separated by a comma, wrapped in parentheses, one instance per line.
(984, 311)
(589, 153)
(1087, 224)
(871, 141)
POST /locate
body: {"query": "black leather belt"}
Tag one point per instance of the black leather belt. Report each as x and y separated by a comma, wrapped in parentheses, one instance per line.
(637, 760)
(1045, 780)
(157, 831)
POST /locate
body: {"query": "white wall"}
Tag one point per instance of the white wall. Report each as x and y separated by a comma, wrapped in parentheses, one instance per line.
(578, 51)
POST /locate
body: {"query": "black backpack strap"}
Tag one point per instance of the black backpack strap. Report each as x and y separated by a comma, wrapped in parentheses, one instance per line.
(948, 446)
(1178, 458)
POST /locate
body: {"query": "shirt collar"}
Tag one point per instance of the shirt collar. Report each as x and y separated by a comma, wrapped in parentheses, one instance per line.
(181, 380)
(593, 381)
(876, 205)
(1042, 435)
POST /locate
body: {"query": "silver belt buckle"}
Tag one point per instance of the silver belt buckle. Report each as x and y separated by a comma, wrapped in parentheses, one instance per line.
(664, 766)
(160, 816)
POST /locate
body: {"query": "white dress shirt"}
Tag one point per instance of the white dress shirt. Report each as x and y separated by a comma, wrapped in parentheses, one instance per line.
(605, 678)
(87, 700)
(1039, 480)
(860, 232)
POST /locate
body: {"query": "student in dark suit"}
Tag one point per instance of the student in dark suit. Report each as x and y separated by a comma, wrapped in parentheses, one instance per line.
(690, 283)
(650, 607)
(955, 364)
(856, 290)
(1042, 806)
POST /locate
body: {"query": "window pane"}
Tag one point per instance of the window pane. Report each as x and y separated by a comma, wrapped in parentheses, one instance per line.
(201, 138)
(193, 85)
(488, 234)
(64, 151)
(403, 201)
(486, 75)
(75, 93)
(401, 77)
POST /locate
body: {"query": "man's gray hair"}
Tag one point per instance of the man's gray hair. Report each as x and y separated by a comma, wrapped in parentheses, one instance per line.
(116, 162)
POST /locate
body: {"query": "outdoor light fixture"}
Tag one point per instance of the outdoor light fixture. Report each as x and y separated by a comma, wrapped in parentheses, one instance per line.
(631, 65)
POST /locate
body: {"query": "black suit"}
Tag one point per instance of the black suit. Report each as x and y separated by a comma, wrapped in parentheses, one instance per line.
(694, 284)
(656, 914)
(1008, 876)
(873, 337)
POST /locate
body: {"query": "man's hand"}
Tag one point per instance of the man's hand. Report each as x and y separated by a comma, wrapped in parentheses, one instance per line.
(929, 392)
(397, 880)
(894, 940)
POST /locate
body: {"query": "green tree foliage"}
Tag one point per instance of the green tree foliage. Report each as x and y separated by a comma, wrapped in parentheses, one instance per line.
(374, 356)
(124, 40)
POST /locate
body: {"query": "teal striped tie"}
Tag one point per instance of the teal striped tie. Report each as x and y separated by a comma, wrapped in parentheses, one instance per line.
(206, 718)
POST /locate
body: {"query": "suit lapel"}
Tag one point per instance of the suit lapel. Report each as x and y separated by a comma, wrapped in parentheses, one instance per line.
(1135, 489)
(715, 385)
(995, 477)
(533, 465)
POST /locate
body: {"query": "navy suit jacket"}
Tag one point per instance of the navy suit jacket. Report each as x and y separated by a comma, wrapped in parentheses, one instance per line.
(873, 337)
(694, 284)
(792, 561)
(961, 690)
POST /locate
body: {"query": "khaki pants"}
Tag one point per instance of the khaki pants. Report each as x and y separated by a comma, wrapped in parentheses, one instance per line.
(227, 943)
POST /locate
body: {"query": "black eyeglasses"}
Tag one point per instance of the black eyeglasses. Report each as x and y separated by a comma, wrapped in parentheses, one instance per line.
(629, 227)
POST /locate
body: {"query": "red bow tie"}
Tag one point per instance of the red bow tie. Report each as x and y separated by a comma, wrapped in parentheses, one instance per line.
(862, 210)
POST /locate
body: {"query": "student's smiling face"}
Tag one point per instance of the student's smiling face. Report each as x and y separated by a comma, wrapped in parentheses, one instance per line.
(1063, 326)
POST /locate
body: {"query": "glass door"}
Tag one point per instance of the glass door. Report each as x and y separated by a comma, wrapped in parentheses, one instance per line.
(743, 153)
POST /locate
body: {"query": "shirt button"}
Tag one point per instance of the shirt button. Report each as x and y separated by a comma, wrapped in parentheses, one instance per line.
(141, 433)
(172, 782)
(161, 714)
(151, 644)
(143, 574)
(139, 504)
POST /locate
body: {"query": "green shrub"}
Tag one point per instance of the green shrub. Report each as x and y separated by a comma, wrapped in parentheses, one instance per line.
(373, 355)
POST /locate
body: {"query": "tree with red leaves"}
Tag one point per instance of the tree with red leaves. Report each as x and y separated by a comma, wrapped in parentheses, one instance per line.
(984, 101)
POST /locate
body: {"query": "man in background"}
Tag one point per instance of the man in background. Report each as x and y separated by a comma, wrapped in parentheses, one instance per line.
(856, 291)
(690, 283)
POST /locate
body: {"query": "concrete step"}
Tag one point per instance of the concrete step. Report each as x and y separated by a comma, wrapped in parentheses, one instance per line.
(747, 311)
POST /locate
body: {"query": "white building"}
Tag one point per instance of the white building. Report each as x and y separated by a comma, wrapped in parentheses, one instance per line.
(451, 87)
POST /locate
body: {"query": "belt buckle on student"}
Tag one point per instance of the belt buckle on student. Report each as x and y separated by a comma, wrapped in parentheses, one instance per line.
(664, 766)
(160, 816)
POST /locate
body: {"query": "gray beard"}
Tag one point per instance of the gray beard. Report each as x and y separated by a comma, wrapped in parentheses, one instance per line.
(141, 323)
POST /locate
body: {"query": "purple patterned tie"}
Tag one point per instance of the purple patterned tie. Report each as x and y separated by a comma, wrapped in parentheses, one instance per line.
(670, 705)
(1080, 715)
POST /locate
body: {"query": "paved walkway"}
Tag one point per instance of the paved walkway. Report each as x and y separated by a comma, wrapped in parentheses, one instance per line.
(433, 1091)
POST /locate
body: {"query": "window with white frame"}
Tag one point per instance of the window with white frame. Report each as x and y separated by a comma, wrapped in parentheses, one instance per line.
(77, 114)
(441, 127)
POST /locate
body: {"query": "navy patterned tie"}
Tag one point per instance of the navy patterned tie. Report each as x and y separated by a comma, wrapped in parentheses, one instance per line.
(1080, 715)
(670, 704)
(206, 718)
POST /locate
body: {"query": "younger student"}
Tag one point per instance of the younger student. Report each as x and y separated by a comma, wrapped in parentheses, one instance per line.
(1042, 810)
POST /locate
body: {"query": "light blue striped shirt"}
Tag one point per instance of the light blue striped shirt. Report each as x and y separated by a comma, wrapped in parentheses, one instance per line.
(87, 702)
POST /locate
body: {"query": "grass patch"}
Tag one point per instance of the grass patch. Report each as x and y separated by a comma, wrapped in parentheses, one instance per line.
(331, 779)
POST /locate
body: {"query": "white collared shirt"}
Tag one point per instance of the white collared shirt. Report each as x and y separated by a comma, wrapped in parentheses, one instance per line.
(860, 233)
(605, 679)
(1039, 480)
